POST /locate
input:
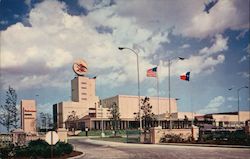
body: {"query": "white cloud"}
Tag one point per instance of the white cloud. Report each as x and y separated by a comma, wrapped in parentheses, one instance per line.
(241, 34)
(232, 99)
(220, 44)
(55, 61)
(28, 3)
(190, 20)
(245, 57)
(184, 46)
(247, 49)
(55, 38)
(152, 92)
(203, 62)
(244, 74)
(214, 105)
(3, 22)
(91, 5)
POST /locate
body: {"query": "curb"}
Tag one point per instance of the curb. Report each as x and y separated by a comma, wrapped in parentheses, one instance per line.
(114, 144)
(79, 156)
(206, 145)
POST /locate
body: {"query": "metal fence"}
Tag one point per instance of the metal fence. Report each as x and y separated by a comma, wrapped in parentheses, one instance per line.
(5, 140)
(133, 136)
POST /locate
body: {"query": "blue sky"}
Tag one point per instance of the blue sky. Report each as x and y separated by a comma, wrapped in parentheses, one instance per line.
(41, 39)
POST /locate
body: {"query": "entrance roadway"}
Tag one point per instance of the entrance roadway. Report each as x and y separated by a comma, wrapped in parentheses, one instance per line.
(109, 150)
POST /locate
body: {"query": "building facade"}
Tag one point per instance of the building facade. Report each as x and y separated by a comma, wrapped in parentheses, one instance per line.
(28, 116)
(229, 119)
(86, 110)
(83, 100)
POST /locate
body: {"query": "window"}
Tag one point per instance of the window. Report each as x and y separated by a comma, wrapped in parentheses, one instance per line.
(84, 98)
(84, 87)
(84, 83)
(27, 114)
(84, 93)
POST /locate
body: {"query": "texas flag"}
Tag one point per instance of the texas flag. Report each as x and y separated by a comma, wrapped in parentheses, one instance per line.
(185, 77)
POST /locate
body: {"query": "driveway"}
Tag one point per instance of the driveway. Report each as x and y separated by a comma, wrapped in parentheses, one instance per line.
(109, 150)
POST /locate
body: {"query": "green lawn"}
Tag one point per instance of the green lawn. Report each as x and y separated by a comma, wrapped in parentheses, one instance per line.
(133, 138)
(120, 139)
(107, 133)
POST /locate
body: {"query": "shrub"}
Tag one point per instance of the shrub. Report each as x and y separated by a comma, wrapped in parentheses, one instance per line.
(57, 150)
(22, 152)
(232, 138)
(7, 152)
(175, 138)
(40, 148)
(65, 147)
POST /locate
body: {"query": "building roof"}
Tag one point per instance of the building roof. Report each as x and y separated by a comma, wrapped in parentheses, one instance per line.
(18, 131)
(224, 113)
(135, 96)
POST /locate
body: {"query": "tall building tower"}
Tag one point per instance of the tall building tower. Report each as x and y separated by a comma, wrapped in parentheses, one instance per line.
(28, 116)
(83, 89)
(83, 97)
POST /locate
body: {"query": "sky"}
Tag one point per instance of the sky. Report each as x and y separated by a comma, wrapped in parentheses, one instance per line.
(40, 39)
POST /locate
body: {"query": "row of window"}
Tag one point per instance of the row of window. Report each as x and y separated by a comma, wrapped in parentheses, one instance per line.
(27, 114)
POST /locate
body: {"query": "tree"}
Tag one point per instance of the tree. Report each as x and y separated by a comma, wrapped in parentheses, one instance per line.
(185, 121)
(46, 120)
(115, 116)
(71, 121)
(9, 112)
(148, 117)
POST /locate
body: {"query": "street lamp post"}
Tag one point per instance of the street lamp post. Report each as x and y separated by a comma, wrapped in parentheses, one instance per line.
(138, 80)
(238, 97)
(169, 89)
(102, 134)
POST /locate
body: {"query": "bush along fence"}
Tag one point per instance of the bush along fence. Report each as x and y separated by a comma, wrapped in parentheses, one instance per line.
(36, 149)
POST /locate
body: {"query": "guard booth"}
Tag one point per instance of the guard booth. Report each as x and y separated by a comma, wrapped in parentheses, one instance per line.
(133, 136)
(18, 137)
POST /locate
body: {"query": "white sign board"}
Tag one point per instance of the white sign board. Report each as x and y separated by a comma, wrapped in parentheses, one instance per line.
(51, 137)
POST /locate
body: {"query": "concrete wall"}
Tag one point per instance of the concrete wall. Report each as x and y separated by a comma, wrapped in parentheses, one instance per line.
(28, 116)
(128, 105)
(62, 134)
(83, 90)
(66, 108)
(181, 115)
(157, 133)
(244, 115)
(83, 97)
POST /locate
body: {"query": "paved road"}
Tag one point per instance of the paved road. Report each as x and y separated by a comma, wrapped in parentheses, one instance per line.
(108, 150)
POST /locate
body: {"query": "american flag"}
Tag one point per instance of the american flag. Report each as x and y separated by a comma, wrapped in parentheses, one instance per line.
(152, 72)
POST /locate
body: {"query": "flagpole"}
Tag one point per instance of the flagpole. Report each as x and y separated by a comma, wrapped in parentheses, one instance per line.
(191, 103)
(169, 89)
(169, 102)
(158, 96)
